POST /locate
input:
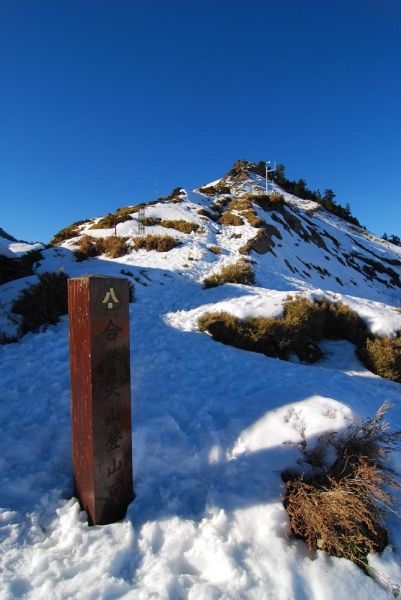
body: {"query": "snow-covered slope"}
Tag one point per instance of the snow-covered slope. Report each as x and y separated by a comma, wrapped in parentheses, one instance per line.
(210, 422)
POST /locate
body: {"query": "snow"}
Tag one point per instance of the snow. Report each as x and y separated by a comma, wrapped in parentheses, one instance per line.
(5, 251)
(16, 249)
(210, 432)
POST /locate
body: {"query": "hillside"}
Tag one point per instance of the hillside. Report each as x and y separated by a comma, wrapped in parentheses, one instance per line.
(212, 424)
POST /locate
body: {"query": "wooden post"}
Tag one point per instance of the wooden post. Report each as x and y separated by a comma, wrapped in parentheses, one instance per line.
(100, 396)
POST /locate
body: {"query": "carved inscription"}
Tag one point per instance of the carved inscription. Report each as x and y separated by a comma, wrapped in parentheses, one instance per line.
(108, 401)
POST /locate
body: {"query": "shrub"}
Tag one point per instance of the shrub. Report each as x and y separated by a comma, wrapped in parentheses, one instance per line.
(160, 243)
(303, 325)
(180, 225)
(115, 246)
(176, 192)
(383, 357)
(253, 219)
(324, 319)
(67, 233)
(215, 249)
(220, 204)
(241, 272)
(229, 218)
(88, 247)
(269, 202)
(7, 339)
(241, 204)
(223, 327)
(206, 213)
(304, 317)
(342, 323)
(208, 191)
(148, 221)
(42, 303)
(27, 261)
(269, 336)
(112, 219)
(338, 505)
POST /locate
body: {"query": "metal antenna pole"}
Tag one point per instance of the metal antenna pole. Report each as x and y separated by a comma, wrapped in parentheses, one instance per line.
(141, 217)
(267, 176)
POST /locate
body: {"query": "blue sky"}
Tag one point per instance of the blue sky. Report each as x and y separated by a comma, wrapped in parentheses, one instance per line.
(107, 103)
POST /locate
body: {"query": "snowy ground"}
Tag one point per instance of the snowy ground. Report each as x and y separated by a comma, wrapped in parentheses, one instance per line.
(209, 425)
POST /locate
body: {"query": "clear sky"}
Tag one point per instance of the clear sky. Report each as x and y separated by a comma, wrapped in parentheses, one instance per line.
(107, 103)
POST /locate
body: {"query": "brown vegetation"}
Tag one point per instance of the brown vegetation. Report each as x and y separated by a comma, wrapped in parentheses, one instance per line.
(338, 506)
(160, 243)
(240, 272)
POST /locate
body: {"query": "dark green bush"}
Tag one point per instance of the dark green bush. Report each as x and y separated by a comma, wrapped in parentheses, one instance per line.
(342, 323)
(67, 233)
(27, 262)
(269, 336)
(42, 303)
(303, 325)
(208, 191)
(304, 318)
(222, 189)
(206, 213)
(112, 219)
(269, 202)
(383, 356)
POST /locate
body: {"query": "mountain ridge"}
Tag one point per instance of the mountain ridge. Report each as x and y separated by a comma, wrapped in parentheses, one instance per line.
(213, 426)
(274, 224)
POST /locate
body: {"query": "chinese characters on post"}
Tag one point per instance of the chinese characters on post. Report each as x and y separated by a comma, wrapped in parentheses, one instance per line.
(100, 396)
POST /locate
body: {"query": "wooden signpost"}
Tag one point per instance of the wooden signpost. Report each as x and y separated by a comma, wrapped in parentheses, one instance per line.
(100, 396)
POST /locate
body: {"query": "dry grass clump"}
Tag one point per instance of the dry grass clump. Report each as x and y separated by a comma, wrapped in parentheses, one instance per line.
(230, 218)
(42, 303)
(383, 356)
(160, 243)
(180, 225)
(89, 247)
(115, 246)
(215, 249)
(240, 272)
(338, 505)
(253, 219)
(241, 204)
(209, 190)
